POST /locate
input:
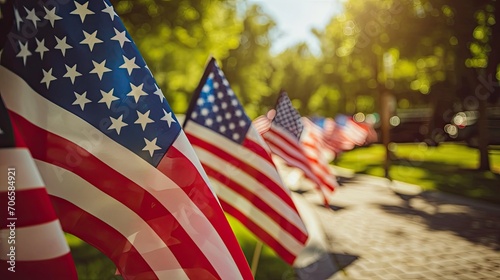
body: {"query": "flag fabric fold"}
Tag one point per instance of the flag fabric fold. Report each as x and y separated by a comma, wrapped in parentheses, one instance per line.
(239, 164)
(120, 171)
(32, 242)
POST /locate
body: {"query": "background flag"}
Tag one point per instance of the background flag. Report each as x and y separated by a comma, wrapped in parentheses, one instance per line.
(317, 153)
(240, 167)
(120, 172)
(282, 134)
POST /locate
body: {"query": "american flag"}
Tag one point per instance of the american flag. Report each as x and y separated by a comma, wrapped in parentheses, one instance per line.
(31, 238)
(317, 153)
(240, 167)
(117, 165)
(283, 137)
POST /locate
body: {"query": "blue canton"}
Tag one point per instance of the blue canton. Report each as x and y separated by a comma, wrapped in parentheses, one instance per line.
(287, 117)
(217, 107)
(79, 56)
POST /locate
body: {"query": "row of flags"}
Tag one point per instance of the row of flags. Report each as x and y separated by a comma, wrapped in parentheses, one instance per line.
(120, 170)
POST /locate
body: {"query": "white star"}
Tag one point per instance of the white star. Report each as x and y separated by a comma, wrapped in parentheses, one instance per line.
(47, 77)
(204, 112)
(167, 117)
(236, 136)
(81, 100)
(200, 101)
(206, 89)
(159, 93)
(51, 16)
(71, 73)
(108, 97)
(220, 95)
(222, 129)
(209, 122)
(143, 119)
(32, 16)
(238, 113)
(62, 45)
(117, 124)
(216, 85)
(109, 10)
(129, 64)
(211, 98)
(24, 52)
(40, 47)
(120, 37)
(228, 115)
(82, 10)
(18, 18)
(243, 123)
(151, 146)
(100, 68)
(90, 39)
(136, 92)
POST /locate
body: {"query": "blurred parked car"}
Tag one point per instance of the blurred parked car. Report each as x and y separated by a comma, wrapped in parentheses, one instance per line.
(464, 127)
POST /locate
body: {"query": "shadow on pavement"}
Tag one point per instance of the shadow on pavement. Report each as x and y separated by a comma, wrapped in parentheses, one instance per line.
(477, 225)
(323, 269)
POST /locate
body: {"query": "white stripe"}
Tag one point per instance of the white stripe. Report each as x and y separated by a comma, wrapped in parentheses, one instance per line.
(237, 151)
(25, 175)
(258, 217)
(20, 98)
(35, 243)
(107, 209)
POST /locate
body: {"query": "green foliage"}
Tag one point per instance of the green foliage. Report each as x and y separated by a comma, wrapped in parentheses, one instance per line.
(177, 37)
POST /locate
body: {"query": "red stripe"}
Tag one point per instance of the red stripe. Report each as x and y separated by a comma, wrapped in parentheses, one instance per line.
(263, 235)
(57, 268)
(51, 148)
(187, 177)
(258, 149)
(113, 244)
(32, 207)
(240, 164)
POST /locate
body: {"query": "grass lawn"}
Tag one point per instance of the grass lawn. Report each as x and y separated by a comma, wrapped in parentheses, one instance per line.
(450, 167)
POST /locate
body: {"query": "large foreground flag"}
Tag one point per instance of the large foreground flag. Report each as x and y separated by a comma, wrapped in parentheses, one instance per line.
(119, 169)
(282, 133)
(240, 167)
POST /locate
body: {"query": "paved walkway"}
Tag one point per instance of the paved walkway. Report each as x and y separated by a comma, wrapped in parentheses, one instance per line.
(384, 230)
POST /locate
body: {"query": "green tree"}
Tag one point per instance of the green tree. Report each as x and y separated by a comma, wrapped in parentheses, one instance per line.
(177, 37)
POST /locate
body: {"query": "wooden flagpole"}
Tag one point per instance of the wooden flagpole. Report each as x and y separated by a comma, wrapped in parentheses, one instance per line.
(256, 256)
